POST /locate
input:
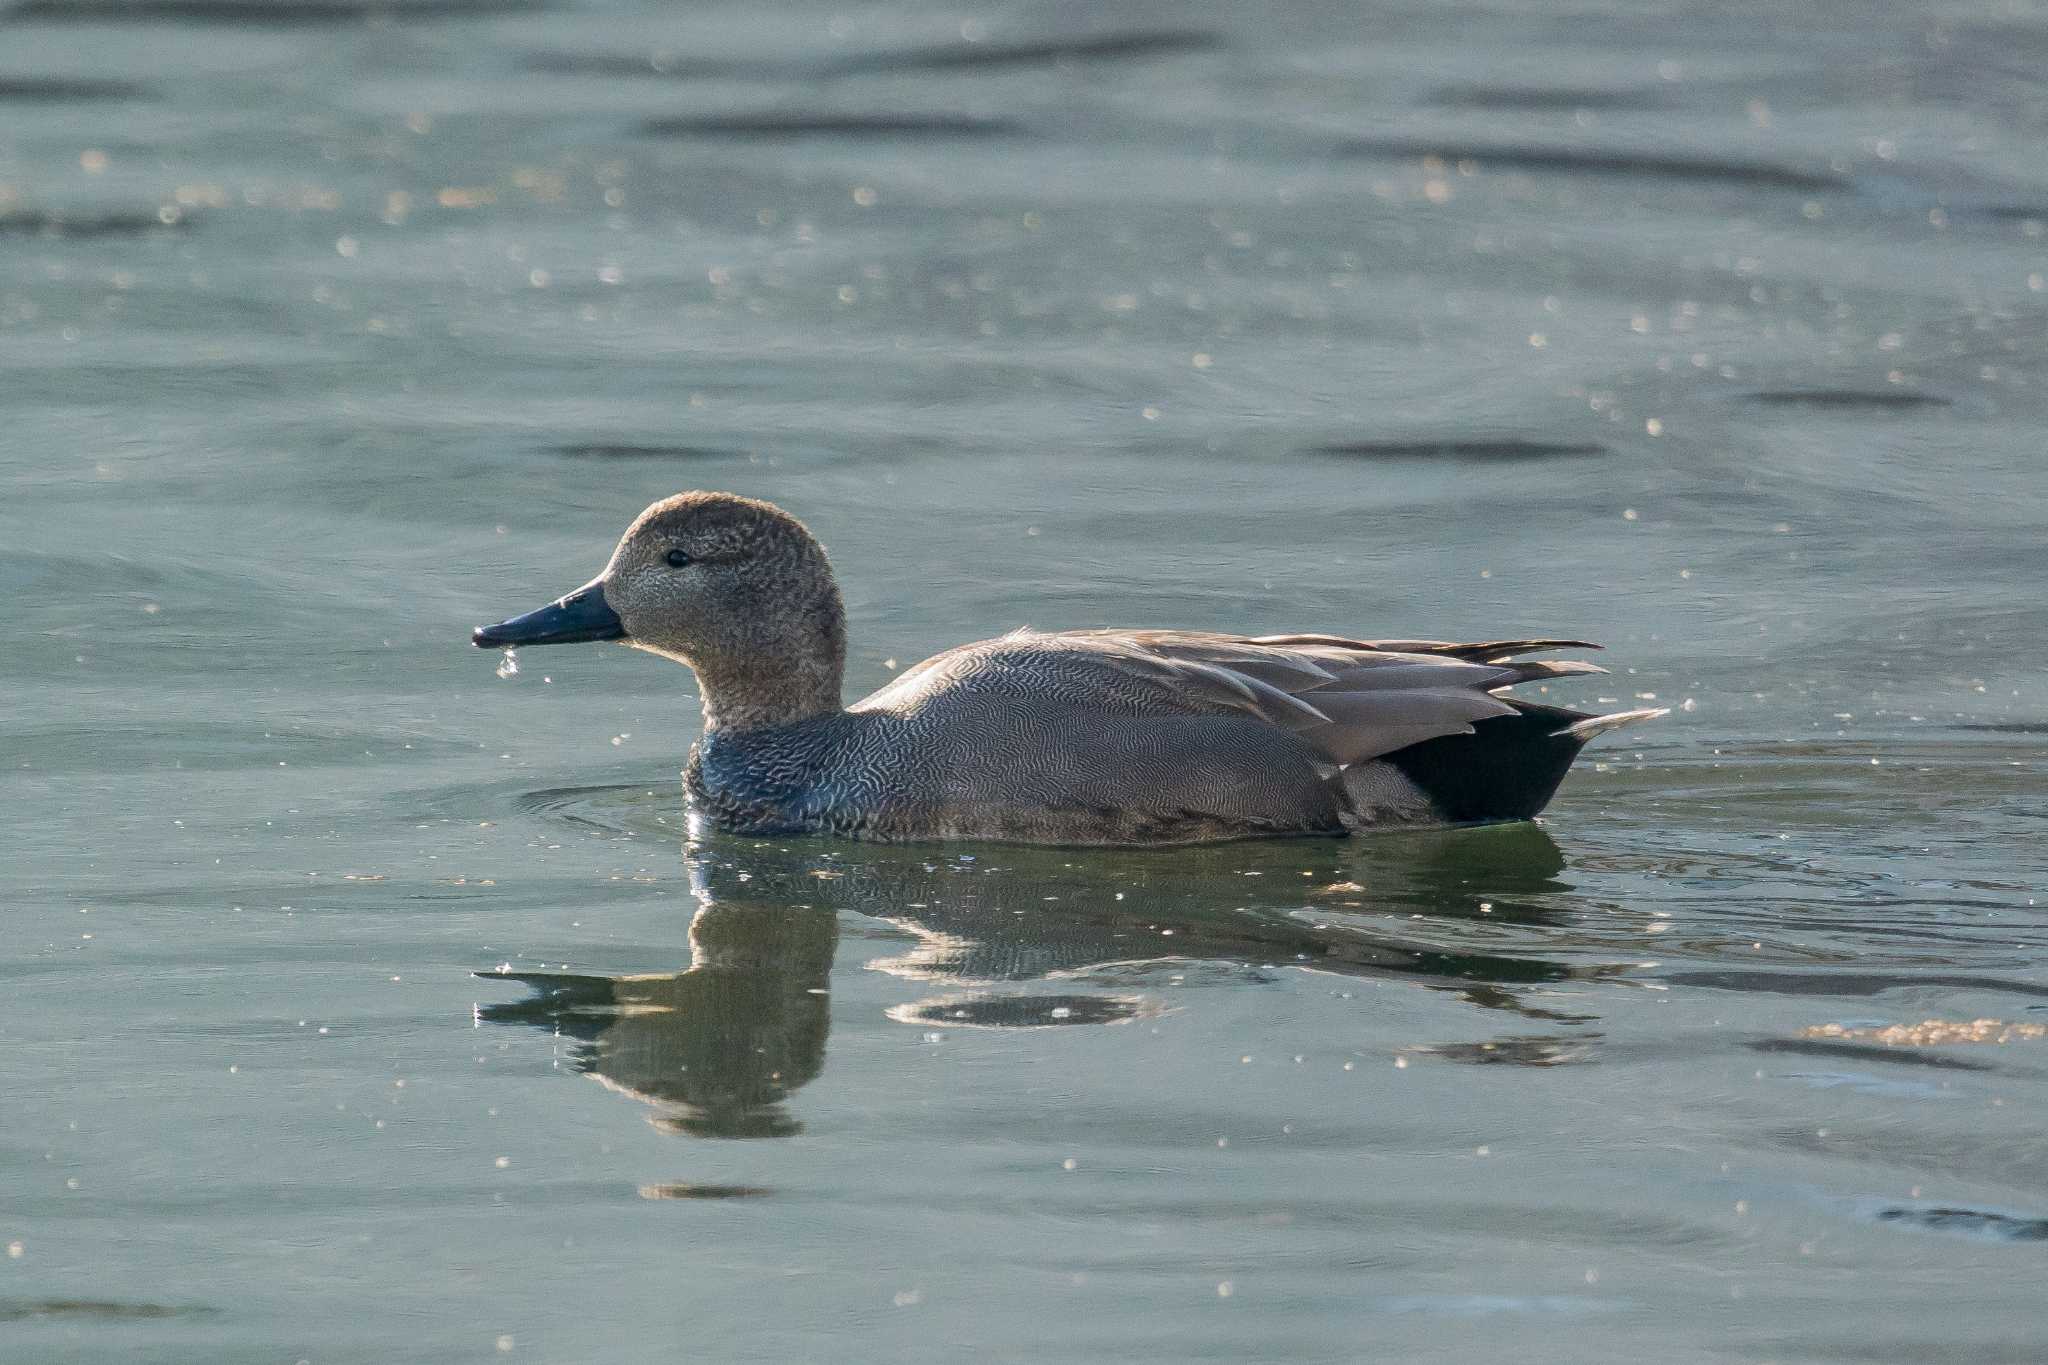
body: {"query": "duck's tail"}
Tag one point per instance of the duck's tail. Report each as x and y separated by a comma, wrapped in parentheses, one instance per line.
(1599, 725)
(1509, 767)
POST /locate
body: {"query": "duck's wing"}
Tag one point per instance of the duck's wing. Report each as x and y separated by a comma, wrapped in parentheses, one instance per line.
(1352, 699)
(1477, 652)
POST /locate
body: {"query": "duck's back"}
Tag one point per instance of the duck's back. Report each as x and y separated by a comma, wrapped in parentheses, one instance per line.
(1105, 737)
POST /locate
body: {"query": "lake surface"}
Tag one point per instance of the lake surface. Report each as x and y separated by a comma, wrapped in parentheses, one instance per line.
(328, 331)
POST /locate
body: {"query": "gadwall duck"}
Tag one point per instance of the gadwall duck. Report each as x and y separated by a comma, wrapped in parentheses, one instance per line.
(1104, 737)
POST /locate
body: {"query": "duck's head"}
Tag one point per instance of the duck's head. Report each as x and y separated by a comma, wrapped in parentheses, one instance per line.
(734, 587)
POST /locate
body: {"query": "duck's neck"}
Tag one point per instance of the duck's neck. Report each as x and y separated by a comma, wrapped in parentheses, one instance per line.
(798, 679)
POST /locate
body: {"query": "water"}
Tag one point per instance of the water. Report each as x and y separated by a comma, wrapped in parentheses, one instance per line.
(1715, 335)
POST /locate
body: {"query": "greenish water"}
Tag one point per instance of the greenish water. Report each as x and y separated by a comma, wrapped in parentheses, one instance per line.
(363, 1005)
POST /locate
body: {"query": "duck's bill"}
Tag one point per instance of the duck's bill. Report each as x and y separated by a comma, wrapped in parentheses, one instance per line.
(582, 615)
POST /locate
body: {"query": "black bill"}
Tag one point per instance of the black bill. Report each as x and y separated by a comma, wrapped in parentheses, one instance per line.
(582, 615)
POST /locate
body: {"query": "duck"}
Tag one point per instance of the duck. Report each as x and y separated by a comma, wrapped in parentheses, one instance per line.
(1096, 737)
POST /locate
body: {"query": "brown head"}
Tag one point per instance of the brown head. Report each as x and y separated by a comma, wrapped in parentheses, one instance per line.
(734, 587)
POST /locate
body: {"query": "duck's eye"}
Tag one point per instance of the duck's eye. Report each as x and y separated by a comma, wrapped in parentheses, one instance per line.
(678, 558)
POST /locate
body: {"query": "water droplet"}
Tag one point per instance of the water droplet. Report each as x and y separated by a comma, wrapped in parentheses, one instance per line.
(508, 666)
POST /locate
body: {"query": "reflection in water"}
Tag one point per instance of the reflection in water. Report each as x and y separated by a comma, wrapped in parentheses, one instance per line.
(1021, 1011)
(718, 1047)
(1021, 916)
(1034, 938)
(685, 1190)
(1526, 1050)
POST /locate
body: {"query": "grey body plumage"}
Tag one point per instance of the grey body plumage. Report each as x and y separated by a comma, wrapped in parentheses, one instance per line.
(1140, 737)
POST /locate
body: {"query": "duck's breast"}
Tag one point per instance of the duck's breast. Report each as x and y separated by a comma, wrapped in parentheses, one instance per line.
(968, 765)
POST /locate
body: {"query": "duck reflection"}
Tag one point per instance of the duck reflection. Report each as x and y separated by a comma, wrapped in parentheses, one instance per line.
(1034, 938)
(1026, 915)
(716, 1049)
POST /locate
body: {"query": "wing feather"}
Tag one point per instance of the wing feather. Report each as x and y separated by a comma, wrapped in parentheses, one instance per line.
(1353, 699)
